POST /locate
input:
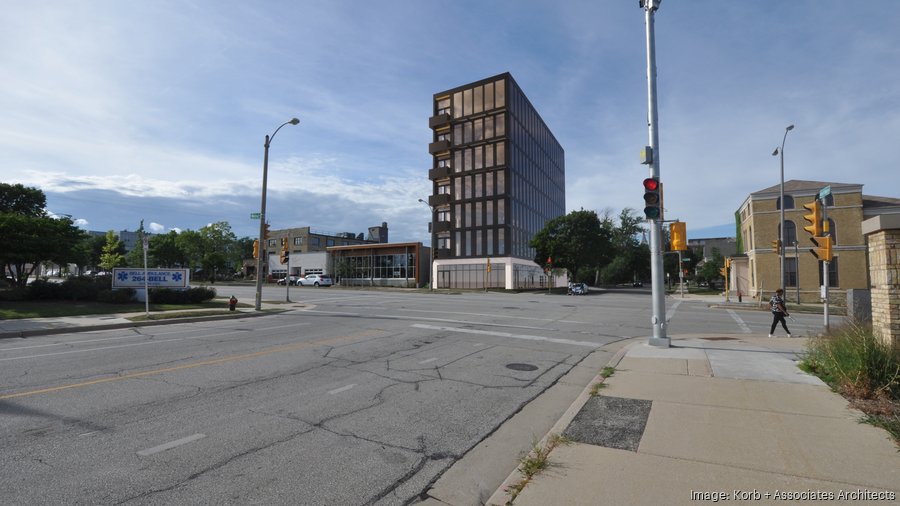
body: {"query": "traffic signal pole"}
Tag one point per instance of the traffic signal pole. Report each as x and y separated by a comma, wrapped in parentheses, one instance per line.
(825, 265)
(658, 320)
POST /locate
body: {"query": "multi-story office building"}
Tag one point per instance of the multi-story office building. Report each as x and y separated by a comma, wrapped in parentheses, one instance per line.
(498, 176)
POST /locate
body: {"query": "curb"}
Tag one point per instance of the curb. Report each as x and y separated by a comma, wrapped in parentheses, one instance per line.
(21, 334)
(501, 496)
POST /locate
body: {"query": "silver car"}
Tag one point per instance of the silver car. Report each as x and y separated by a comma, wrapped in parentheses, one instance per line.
(315, 280)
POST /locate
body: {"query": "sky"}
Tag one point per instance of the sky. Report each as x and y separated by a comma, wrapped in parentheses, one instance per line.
(158, 110)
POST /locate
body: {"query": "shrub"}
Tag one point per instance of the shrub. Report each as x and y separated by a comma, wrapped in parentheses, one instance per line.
(189, 296)
(852, 359)
(120, 296)
(15, 293)
(41, 289)
(80, 288)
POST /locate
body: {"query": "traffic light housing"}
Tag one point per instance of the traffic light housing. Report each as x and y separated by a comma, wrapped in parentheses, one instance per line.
(823, 249)
(724, 270)
(678, 235)
(285, 250)
(652, 199)
(265, 231)
(776, 246)
(814, 218)
(256, 248)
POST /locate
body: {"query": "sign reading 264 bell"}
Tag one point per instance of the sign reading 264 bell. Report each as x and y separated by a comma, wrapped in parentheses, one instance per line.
(156, 278)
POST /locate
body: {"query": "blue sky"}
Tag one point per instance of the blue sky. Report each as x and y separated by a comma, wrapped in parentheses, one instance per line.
(123, 111)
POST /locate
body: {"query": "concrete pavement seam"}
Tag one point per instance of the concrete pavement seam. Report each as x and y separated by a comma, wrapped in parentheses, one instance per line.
(501, 495)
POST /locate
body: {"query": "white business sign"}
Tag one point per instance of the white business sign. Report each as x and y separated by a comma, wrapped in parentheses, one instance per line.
(156, 278)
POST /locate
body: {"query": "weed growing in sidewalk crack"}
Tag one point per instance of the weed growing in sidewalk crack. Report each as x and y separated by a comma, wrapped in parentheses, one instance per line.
(605, 373)
(535, 461)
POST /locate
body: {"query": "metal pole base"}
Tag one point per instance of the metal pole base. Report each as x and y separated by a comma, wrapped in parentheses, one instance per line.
(660, 342)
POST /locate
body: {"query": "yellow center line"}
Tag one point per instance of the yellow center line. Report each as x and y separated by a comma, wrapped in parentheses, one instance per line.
(217, 361)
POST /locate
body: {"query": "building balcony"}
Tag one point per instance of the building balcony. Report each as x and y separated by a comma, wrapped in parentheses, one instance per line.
(442, 253)
(439, 173)
(441, 226)
(438, 120)
(438, 147)
(441, 199)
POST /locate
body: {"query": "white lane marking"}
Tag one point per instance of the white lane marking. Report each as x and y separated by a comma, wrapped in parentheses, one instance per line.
(672, 310)
(478, 344)
(506, 334)
(342, 389)
(743, 326)
(517, 317)
(89, 349)
(70, 342)
(414, 318)
(88, 433)
(170, 445)
(427, 360)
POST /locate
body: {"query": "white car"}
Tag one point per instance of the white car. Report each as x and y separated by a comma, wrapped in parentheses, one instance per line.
(315, 280)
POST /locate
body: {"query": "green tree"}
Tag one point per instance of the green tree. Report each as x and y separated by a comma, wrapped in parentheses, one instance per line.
(219, 252)
(112, 255)
(29, 235)
(19, 199)
(135, 257)
(165, 250)
(631, 256)
(191, 243)
(573, 241)
(709, 271)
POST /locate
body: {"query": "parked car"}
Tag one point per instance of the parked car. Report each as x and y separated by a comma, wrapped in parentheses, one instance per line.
(315, 280)
(291, 279)
(637, 284)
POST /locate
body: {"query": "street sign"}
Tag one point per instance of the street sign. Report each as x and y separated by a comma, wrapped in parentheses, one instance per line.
(254, 216)
(824, 192)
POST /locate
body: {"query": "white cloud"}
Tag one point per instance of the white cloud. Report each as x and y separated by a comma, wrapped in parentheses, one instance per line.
(156, 228)
(157, 111)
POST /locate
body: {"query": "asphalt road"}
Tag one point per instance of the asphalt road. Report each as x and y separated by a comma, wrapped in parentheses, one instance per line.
(351, 397)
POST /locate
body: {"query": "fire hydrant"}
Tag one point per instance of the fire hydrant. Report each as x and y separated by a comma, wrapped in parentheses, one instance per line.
(232, 303)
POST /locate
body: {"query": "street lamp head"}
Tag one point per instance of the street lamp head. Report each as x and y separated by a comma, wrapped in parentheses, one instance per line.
(422, 201)
(775, 153)
(789, 128)
(294, 121)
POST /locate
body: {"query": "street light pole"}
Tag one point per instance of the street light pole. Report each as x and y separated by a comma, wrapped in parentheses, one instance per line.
(262, 213)
(431, 260)
(781, 201)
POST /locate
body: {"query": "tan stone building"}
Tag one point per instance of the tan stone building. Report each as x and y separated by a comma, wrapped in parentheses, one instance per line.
(759, 217)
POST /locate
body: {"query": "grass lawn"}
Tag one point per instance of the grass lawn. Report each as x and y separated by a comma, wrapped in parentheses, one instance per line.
(52, 308)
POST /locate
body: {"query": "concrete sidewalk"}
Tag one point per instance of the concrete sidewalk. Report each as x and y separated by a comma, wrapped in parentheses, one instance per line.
(713, 419)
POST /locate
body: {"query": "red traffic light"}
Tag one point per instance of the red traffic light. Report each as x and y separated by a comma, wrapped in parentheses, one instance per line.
(651, 184)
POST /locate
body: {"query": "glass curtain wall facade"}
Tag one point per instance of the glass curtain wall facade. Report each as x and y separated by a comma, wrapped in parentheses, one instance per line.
(498, 173)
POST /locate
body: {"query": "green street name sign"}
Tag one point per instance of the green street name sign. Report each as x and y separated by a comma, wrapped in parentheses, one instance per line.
(824, 192)
(254, 216)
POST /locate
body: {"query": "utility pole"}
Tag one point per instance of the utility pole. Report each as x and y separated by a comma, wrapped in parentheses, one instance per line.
(658, 321)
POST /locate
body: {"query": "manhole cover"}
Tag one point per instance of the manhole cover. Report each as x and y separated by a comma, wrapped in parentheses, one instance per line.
(522, 367)
(719, 338)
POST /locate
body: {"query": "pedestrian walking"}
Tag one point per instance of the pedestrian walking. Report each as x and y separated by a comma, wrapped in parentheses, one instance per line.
(778, 312)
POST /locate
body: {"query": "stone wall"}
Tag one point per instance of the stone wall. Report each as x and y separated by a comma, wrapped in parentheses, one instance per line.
(884, 272)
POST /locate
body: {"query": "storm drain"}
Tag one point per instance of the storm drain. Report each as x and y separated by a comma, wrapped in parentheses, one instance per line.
(612, 422)
(522, 367)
